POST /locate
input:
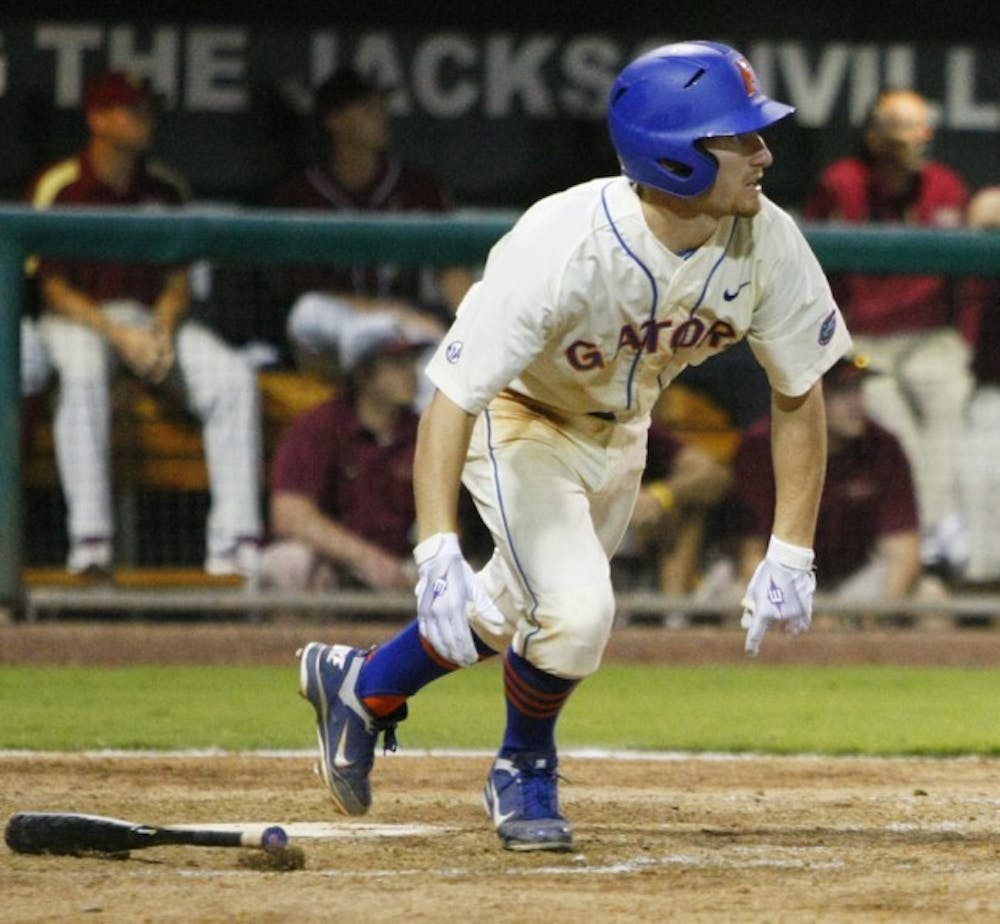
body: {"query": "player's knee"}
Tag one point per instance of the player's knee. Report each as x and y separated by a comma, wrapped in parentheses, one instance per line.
(84, 369)
(36, 370)
(574, 627)
(239, 375)
(231, 376)
(293, 566)
(316, 319)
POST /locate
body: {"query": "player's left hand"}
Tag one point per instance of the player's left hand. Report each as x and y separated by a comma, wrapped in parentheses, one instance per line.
(447, 592)
(780, 591)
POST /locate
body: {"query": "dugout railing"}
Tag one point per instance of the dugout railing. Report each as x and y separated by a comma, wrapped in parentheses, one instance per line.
(266, 238)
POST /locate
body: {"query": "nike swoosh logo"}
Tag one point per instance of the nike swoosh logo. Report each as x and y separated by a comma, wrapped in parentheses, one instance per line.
(340, 760)
(498, 817)
(729, 296)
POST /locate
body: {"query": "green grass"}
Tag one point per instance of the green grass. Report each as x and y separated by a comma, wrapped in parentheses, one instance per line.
(867, 710)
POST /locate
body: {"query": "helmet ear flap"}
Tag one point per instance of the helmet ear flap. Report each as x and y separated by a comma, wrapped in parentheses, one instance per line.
(685, 171)
(681, 171)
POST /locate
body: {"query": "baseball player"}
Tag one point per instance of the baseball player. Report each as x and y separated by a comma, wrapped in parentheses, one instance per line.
(342, 478)
(100, 315)
(979, 481)
(359, 172)
(867, 530)
(908, 324)
(587, 309)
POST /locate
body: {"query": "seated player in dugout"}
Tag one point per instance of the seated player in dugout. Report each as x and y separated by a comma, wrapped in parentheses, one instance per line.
(341, 509)
(868, 531)
(978, 472)
(100, 316)
(911, 325)
(358, 171)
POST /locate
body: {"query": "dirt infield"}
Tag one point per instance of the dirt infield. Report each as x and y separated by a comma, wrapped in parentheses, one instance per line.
(674, 838)
(690, 839)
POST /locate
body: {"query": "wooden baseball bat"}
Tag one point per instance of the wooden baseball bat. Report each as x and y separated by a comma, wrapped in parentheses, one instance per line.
(74, 833)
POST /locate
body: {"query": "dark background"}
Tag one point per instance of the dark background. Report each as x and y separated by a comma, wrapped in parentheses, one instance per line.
(975, 20)
(484, 162)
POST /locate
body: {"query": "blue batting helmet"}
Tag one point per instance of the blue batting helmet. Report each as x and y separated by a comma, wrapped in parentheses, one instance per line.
(670, 98)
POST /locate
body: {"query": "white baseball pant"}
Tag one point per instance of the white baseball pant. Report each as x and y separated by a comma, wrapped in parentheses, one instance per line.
(979, 479)
(35, 366)
(219, 389)
(921, 397)
(557, 496)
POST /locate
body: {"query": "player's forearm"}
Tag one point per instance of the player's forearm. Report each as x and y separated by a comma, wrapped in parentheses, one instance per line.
(75, 304)
(901, 552)
(174, 302)
(442, 443)
(798, 448)
(296, 517)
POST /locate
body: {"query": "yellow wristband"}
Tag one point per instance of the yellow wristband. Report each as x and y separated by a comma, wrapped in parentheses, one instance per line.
(664, 495)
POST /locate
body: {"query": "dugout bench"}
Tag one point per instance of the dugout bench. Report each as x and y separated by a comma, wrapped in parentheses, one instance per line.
(157, 446)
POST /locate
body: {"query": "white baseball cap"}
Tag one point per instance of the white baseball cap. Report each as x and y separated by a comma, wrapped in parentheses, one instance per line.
(366, 336)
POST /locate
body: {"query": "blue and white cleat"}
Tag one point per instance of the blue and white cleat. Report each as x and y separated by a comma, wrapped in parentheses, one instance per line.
(328, 676)
(522, 799)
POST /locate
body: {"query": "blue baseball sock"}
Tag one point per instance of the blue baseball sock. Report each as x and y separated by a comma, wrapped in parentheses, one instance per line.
(534, 701)
(401, 667)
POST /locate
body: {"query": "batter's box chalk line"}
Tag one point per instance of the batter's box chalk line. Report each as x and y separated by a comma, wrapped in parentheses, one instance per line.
(325, 830)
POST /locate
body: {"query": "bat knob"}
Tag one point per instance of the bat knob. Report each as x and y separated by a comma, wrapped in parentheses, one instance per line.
(274, 838)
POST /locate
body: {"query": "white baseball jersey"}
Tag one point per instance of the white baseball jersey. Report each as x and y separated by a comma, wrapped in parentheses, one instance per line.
(581, 312)
(583, 309)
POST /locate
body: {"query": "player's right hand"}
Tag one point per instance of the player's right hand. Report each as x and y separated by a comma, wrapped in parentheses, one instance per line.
(780, 591)
(447, 591)
(382, 571)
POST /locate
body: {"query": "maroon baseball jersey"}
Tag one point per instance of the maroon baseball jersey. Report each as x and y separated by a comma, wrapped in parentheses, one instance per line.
(847, 192)
(72, 182)
(398, 187)
(868, 494)
(364, 483)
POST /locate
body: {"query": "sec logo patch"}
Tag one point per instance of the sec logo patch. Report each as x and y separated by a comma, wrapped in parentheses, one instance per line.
(827, 328)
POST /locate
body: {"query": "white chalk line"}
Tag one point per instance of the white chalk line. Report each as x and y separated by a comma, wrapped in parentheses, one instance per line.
(356, 830)
(326, 830)
(812, 859)
(746, 857)
(589, 753)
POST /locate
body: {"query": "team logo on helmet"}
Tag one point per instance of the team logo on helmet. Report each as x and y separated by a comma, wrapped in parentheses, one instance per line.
(749, 77)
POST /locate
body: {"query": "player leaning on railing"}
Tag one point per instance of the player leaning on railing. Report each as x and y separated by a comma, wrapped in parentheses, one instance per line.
(587, 309)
